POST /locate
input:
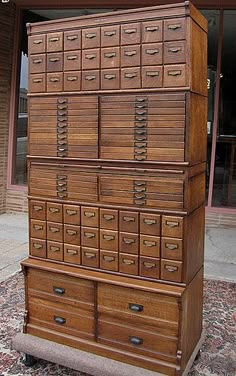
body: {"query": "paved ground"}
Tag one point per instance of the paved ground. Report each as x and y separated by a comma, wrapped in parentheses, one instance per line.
(220, 255)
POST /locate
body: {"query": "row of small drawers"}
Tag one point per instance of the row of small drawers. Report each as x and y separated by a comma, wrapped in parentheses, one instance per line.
(147, 32)
(130, 56)
(110, 79)
(110, 219)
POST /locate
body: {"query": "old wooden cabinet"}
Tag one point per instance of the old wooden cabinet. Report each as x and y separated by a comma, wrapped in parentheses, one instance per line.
(117, 150)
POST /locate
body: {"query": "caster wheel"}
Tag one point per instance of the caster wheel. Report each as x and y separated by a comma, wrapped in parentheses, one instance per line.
(198, 355)
(29, 360)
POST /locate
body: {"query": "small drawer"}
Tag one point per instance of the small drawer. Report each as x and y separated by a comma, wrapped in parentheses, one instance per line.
(150, 245)
(91, 38)
(71, 214)
(172, 248)
(128, 264)
(55, 62)
(109, 219)
(150, 224)
(109, 261)
(54, 82)
(72, 81)
(37, 83)
(152, 54)
(55, 251)
(128, 221)
(72, 40)
(149, 267)
(171, 270)
(172, 226)
(129, 243)
(72, 60)
(54, 231)
(91, 59)
(175, 75)
(54, 42)
(38, 248)
(130, 56)
(110, 57)
(110, 79)
(152, 31)
(72, 254)
(89, 216)
(72, 234)
(152, 76)
(130, 78)
(130, 33)
(89, 237)
(90, 80)
(110, 36)
(174, 29)
(54, 212)
(90, 257)
(109, 240)
(37, 44)
(175, 52)
(37, 63)
(37, 209)
(37, 229)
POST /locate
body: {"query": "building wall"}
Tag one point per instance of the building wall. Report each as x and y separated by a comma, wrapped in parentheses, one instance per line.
(7, 22)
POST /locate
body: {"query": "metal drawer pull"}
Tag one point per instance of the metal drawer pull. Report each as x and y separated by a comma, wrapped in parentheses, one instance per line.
(71, 252)
(62, 125)
(130, 75)
(90, 255)
(60, 149)
(108, 237)
(141, 132)
(72, 37)
(72, 78)
(37, 61)
(140, 158)
(135, 307)
(37, 246)
(140, 152)
(172, 224)
(61, 189)
(61, 194)
(71, 212)
(171, 246)
(108, 258)
(109, 76)
(139, 190)
(89, 235)
(130, 31)
(72, 57)
(89, 214)
(140, 125)
(61, 137)
(54, 249)
(58, 290)
(141, 106)
(61, 143)
(138, 202)
(61, 119)
(62, 107)
(54, 210)
(61, 132)
(59, 320)
(149, 265)
(110, 55)
(135, 341)
(71, 232)
(61, 177)
(110, 33)
(37, 208)
(149, 221)
(54, 79)
(174, 50)
(54, 39)
(141, 112)
(54, 59)
(140, 145)
(108, 217)
(140, 197)
(174, 73)
(62, 101)
(128, 261)
(61, 184)
(37, 80)
(130, 53)
(90, 78)
(59, 154)
(90, 35)
(129, 219)
(152, 28)
(153, 74)
(37, 227)
(61, 113)
(149, 244)
(141, 99)
(37, 41)
(141, 118)
(90, 57)
(144, 138)
(174, 27)
(128, 241)
(140, 183)
(152, 52)
(54, 229)
(171, 268)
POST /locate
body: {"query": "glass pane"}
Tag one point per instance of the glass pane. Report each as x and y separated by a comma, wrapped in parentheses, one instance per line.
(224, 189)
(213, 32)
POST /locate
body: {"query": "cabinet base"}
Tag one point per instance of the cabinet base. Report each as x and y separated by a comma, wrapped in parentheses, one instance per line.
(79, 360)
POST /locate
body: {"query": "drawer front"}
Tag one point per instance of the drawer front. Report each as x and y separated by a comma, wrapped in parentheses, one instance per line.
(91, 38)
(172, 248)
(152, 76)
(72, 254)
(110, 36)
(91, 59)
(38, 248)
(130, 78)
(55, 231)
(110, 57)
(72, 234)
(128, 221)
(71, 214)
(175, 29)
(89, 216)
(109, 261)
(128, 264)
(37, 83)
(72, 60)
(171, 270)
(149, 267)
(130, 56)
(72, 81)
(129, 243)
(110, 79)
(152, 31)
(54, 212)
(150, 224)
(37, 209)
(37, 63)
(109, 219)
(90, 257)
(72, 40)
(89, 237)
(55, 251)
(37, 44)
(90, 80)
(54, 82)
(150, 246)
(109, 240)
(37, 229)
(172, 226)
(175, 52)
(55, 62)
(130, 33)
(152, 54)
(55, 42)
(175, 75)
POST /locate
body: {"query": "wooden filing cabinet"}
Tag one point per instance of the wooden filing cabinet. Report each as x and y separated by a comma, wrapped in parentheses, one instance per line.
(117, 157)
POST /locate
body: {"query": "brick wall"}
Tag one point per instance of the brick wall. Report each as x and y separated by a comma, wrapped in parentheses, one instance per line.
(7, 22)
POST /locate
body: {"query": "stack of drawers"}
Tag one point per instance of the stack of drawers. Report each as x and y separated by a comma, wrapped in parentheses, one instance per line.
(117, 116)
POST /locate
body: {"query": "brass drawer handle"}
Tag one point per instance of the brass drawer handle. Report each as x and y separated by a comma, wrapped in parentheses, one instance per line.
(61, 194)
(37, 80)
(108, 237)
(59, 320)
(110, 55)
(61, 143)
(71, 212)
(110, 33)
(171, 246)
(174, 50)
(130, 53)
(143, 132)
(89, 235)
(61, 136)
(130, 31)
(171, 268)
(61, 177)
(135, 307)
(61, 184)
(61, 189)
(54, 59)
(54, 210)
(172, 224)
(140, 145)
(62, 101)
(61, 119)
(60, 131)
(54, 229)
(54, 249)
(61, 154)
(144, 138)
(128, 261)
(89, 214)
(109, 76)
(71, 232)
(141, 99)
(108, 217)
(37, 61)
(72, 37)
(90, 255)
(72, 78)
(90, 57)
(37, 208)
(149, 265)
(141, 105)
(72, 57)
(140, 152)
(153, 74)
(58, 290)
(174, 73)
(149, 221)
(140, 190)
(37, 41)
(90, 78)
(130, 75)
(135, 340)
(61, 112)
(140, 158)
(129, 219)
(141, 118)
(37, 246)
(54, 39)
(140, 183)
(128, 241)
(152, 52)
(54, 79)
(62, 107)
(61, 149)
(147, 243)
(139, 202)
(141, 125)
(174, 27)
(38, 227)
(151, 29)
(71, 252)
(90, 35)
(140, 197)
(141, 112)
(108, 258)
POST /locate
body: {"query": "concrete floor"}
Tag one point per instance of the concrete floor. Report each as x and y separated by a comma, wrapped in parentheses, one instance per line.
(220, 246)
